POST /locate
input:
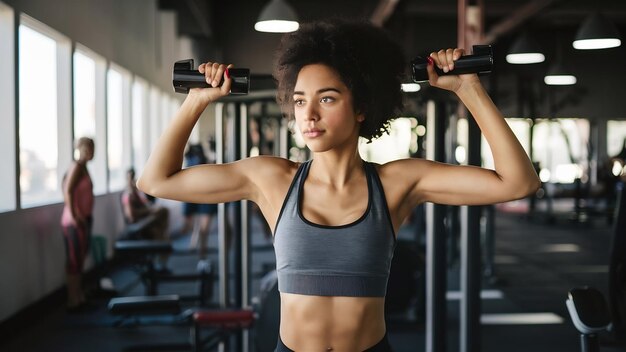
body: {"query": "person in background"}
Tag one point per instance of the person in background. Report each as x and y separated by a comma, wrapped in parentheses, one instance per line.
(198, 217)
(76, 221)
(137, 207)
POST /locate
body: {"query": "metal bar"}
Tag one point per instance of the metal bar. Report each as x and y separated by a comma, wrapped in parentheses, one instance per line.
(199, 14)
(235, 140)
(519, 16)
(383, 11)
(490, 242)
(435, 239)
(284, 138)
(221, 210)
(471, 256)
(470, 28)
(244, 228)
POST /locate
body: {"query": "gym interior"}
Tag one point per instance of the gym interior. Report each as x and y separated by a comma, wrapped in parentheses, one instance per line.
(544, 273)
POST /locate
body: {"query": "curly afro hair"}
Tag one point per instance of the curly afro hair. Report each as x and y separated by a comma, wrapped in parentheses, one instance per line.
(370, 63)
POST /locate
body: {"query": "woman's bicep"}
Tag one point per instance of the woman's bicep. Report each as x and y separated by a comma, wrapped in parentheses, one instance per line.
(461, 185)
(212, 183)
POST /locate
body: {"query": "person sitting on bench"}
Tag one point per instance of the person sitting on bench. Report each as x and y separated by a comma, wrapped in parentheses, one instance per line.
(137, 207)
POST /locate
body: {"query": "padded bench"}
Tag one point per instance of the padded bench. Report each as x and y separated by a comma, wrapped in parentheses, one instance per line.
(143, 247)
(222, 323)
(143, 252)
(145, 305)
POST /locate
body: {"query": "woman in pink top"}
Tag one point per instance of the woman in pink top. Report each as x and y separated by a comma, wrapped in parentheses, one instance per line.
(77, 220)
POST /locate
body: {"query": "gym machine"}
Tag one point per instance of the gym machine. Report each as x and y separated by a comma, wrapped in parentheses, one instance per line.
(590, 316)
(588, 309)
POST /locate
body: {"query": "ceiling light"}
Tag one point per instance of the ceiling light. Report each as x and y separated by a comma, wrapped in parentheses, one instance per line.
(525, 51)
(410, 87)
(277, 17)
(558, 75)
(596, 32)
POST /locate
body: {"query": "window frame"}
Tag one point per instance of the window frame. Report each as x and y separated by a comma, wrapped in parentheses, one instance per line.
(9, 192)
(64, 105)
(98, 167)
(126, 124)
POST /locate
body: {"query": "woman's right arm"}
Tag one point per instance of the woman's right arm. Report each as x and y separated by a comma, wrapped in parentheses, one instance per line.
(163, 176)
(73, 176)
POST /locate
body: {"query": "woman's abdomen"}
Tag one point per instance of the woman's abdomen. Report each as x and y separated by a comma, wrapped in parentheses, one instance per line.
(343, 323)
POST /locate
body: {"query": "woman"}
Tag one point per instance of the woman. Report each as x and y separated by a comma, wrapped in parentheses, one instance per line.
(76, 221)
(335, 217)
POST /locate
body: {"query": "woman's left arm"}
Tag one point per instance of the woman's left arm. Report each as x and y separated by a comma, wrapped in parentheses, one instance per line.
(514, 176)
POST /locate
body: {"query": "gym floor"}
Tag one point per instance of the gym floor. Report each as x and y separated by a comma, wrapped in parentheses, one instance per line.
(523, 306)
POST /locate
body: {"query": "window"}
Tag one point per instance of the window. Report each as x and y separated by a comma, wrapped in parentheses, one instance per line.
(521, 129)
(388, 147)
(44, 112)
(165, 111)
(140, 127)
(560, 147)
(174, 106)
(155, 118)
(84, 96)
(7, 110)
(118, 126)
(615, 137)
(89, 119)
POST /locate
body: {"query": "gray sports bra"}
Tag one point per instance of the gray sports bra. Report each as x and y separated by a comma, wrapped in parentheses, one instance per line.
(348, 260)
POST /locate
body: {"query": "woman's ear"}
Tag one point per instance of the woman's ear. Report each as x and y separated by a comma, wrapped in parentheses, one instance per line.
(360, 117)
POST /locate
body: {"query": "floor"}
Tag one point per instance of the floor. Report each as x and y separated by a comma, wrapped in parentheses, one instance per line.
(537, 261)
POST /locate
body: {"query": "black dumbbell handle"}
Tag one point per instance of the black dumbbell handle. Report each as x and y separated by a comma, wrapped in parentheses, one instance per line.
(185, 77)
(481, 61)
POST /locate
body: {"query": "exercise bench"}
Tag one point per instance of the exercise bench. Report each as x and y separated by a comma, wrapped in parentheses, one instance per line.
(144, 253)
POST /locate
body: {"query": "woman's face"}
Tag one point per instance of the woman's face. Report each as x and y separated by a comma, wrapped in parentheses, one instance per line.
(324, 110)
(86, 151)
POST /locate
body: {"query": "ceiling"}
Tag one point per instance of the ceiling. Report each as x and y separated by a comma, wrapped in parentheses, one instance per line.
(200, 18)
(224, 29)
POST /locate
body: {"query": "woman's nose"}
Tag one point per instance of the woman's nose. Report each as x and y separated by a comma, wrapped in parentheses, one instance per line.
(311, 113)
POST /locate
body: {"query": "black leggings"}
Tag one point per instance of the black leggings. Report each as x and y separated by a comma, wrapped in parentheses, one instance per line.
(381, 346)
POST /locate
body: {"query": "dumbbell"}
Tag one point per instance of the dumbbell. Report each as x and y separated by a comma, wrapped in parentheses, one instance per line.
(185, 77)
(479, 62)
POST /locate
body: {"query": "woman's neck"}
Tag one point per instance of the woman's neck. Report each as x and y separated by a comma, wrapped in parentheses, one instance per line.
(335, 168)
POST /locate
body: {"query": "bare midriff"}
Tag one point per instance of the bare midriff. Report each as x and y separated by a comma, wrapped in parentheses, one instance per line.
(317, 323)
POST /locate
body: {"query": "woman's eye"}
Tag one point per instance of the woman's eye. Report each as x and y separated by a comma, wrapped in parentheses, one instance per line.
(327, 99)
(298, 102)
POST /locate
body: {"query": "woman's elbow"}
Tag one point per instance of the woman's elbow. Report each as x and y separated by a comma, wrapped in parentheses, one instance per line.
(146, 186)
(536, 185)
(529, 188)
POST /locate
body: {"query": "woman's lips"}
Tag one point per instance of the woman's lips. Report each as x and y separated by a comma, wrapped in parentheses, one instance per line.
(312, 133)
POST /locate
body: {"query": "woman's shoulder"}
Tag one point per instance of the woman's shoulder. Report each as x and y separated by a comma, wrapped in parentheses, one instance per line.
(400, 166)
(270, 167)
(271, 161)
(272, 176)
(75, 170)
